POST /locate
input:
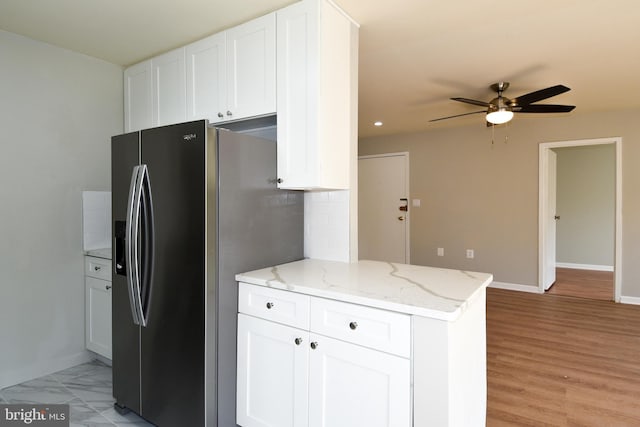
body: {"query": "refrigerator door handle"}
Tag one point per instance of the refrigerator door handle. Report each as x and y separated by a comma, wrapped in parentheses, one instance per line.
(145, 278)
(132, 243)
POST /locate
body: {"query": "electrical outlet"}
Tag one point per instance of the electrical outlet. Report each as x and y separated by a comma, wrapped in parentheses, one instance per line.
(470, 253)
(440, 251)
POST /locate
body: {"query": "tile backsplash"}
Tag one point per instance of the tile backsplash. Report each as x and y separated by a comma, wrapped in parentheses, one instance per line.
(96, 219)
(326, 225)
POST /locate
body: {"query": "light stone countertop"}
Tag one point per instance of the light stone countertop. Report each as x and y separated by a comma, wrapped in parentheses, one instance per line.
(424, 291)
(99, 253)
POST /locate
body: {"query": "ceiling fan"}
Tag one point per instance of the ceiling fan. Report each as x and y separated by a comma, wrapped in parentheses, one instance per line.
(500, 110)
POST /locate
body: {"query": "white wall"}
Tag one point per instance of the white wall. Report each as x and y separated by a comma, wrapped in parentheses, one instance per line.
(58, 110)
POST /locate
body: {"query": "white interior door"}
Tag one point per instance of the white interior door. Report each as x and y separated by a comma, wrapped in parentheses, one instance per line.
(383, 189)
(550, 237)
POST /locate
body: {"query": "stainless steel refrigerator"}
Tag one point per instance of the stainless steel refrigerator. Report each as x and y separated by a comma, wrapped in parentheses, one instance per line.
(192, 206)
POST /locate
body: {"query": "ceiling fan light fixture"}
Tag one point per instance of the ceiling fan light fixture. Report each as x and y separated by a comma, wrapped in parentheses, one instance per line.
(500, 116)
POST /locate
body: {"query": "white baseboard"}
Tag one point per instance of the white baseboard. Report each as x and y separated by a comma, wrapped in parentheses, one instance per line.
(16, 376)
(101, 358)
(630, 300)
(584, 266)
(515, 287)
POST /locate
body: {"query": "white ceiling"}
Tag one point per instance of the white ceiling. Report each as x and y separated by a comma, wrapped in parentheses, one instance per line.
(414, 54)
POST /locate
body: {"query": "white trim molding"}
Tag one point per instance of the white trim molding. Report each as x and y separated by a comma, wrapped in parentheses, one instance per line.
(516, 287)
(630, 300)
(593, 267)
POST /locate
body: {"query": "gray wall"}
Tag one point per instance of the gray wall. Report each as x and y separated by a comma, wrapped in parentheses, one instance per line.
(586, 181)
(57, 113)
(485, 197)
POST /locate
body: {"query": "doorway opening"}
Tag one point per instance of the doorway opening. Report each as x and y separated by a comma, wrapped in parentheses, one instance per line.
(572, 274)
(383, 207)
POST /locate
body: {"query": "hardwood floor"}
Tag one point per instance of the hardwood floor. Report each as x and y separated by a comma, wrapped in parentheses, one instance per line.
(561, 361)
(583, 284)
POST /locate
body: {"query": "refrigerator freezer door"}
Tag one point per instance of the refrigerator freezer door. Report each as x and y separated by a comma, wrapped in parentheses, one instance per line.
(172, 343)
(126, 335)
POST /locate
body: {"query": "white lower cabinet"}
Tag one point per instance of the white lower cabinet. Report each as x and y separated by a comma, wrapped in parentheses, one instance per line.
(350, 385)
(273, 363)
(290, 376)
(98, 305)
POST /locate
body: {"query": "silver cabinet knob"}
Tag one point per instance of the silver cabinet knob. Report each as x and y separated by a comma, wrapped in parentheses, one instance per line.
(314, 345)
(96, 268)
(298, 341)
(270, 305)
(229, 113)
(353, 326)
(220, 115)
(107, 287)
(280, 180)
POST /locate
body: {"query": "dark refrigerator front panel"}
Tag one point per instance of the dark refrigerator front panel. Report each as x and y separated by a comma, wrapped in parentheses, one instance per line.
(126, 335)
(172, 344)
(258, 226)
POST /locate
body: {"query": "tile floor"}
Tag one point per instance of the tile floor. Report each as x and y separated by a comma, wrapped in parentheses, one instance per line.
(87, 390)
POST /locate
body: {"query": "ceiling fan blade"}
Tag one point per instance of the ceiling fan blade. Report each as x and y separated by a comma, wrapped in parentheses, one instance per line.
(543, 108)
(457, 115)
(539, 95)
(472, 101)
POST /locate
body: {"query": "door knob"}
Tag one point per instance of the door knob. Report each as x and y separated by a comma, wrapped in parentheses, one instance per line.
(556, 217)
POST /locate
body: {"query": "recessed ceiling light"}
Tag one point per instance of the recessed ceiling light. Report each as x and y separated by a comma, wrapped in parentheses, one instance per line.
(377, 123)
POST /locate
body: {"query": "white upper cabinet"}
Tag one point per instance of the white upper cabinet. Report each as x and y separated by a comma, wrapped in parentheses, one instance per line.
(206, 78)
(227, 76)
(137, 97)
(251, 68)
(317, 95)
(232, 75)
(168, 101)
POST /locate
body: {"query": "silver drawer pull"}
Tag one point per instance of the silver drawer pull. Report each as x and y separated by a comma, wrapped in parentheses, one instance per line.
(298, 341)
(314, 345)
(270, 305)
(353, 326)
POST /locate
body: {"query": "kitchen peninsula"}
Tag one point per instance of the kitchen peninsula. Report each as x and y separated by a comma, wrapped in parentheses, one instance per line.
(367, 343)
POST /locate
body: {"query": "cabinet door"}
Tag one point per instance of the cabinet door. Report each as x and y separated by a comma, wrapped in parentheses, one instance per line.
(251, 68)
(206, 79)
(169, 85)
(272, 374)
(297, 50)
(137, 97)
(351, 385)
(98, 316)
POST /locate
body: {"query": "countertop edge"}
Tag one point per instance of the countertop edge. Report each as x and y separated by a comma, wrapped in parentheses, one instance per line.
(370, 302)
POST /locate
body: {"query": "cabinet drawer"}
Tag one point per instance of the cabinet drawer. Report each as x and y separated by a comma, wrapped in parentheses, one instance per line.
(370, 327)
(99, 268)
(273, 304)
